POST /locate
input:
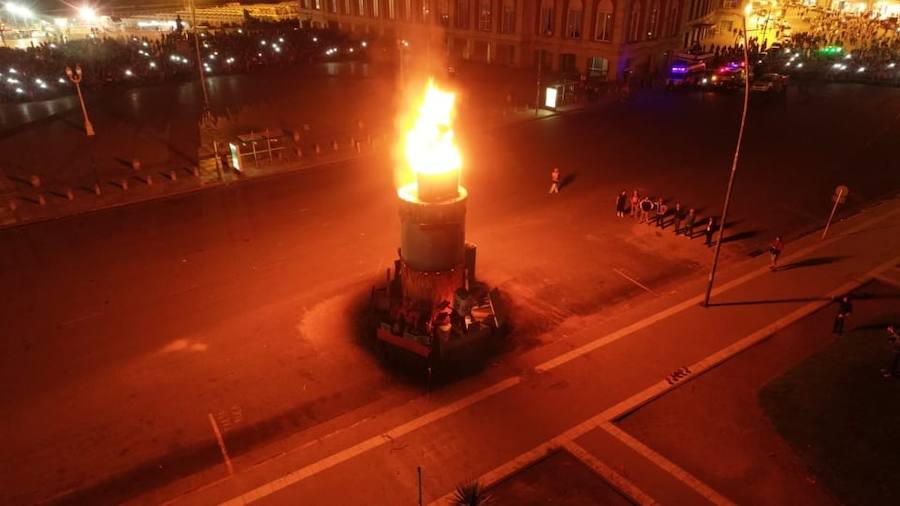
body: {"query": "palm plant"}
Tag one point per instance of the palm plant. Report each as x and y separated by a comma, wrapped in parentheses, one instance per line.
(471, 494)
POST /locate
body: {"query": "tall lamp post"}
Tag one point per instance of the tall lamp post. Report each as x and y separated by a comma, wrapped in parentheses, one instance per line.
(75, 77)
(734, 163)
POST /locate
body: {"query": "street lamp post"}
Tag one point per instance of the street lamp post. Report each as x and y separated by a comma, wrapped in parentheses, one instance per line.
(734, 163)
(75, 77)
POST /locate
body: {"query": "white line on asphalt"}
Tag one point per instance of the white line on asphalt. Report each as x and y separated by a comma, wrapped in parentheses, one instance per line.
(636, 282)
(82, 318)
(527, 457)
(892, 279)
(658, 389)
(646, 322)
(369, 444)
(666, 465)
(609, 474)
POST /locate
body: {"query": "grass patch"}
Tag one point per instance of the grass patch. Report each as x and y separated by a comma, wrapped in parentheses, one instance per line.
(843, 417)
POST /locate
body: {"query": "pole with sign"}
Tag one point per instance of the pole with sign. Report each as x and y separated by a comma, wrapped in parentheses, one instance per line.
(839, 197)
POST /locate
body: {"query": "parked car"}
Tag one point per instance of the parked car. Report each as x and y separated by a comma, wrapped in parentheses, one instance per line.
(769, 83)
(686, 74)
(729, 76)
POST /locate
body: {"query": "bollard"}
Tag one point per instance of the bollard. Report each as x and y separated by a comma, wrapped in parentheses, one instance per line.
(298, 152)
(173, 175)
(195, 171)
(334, 145)
(149, 180)
(358, 147)
(124, 184)
(35, 181)
(96, 189)
(69, 194)
(136, 164)
(41, 200)
(318, 149)
(296, 137)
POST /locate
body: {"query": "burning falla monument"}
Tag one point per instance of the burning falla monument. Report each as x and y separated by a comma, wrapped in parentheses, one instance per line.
(431, 305)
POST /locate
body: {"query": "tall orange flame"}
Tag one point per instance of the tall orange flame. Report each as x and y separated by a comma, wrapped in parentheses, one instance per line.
(430, 145)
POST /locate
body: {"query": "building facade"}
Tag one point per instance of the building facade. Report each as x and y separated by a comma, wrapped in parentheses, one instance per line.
(605, 39)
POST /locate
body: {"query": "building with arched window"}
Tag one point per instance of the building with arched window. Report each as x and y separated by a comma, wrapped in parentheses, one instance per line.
(604, 39)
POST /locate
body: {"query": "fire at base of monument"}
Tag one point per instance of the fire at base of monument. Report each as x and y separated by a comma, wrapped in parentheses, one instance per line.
(432, 305)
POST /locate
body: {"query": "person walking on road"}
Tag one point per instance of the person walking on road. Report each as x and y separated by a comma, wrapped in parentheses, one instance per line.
(688, 229)
(646, 208)
(775, 250)
(710, 228)
(844, 310)
(621, 199)
(677, 217)
(635, 203)
(661, 210)
(554, 180)
(894, 343)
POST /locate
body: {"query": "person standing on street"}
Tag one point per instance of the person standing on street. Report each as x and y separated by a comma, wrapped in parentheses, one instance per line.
(635, 202)
(661, 210)
(621, 199)
(775, 250)
(710, 228)
(894, 343)
(646, 207)
(844, 310)
(554, 180)
(688, 229)
(677, 217)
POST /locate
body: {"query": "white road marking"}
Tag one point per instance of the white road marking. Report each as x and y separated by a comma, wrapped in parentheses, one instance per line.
(634, 327)
(369, 444)
(524, 459)
(218, 433)
(609, 474)
(658, 389)
(636, 282)
(82, 318)
(665, 464)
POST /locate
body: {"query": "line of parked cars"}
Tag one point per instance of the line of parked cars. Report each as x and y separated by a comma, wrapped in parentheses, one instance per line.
(693, 72)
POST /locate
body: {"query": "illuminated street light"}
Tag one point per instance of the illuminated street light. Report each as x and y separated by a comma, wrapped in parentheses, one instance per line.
(734, 163)
(76, 77)
(19, 10)
(87, 13)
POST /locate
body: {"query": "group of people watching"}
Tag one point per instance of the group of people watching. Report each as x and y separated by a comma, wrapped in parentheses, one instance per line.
(656, 212)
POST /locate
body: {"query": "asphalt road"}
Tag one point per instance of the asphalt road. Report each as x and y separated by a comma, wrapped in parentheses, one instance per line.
(124, 329)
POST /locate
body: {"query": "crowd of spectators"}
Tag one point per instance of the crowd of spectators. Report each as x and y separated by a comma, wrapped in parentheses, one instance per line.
(844, 46)
(38, 72)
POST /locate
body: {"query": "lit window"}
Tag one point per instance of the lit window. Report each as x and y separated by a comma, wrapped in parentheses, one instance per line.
(484, 15)
(604, 20)
(634, 23)
(546, 18)
(573, 19)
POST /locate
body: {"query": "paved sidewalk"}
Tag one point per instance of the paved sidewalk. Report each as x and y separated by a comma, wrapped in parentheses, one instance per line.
(493, 425)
